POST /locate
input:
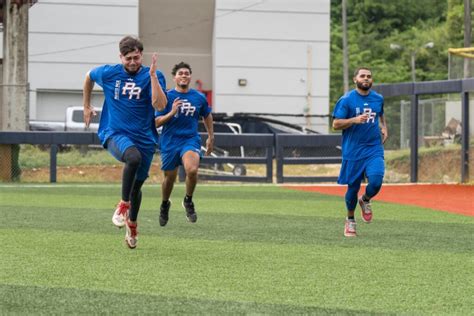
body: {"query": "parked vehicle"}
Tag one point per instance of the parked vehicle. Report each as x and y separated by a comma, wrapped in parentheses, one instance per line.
(73, 122)
(257, 123)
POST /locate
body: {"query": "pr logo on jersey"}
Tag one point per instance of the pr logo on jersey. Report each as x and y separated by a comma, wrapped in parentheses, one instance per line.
(132, 90)
(371, 114)
(186, 108)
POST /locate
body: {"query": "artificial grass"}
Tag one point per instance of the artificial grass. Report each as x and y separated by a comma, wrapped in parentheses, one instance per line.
(254, 250)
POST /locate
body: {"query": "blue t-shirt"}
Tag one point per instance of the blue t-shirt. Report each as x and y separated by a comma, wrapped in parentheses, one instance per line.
(127, 108)
(184, 124)
(360, 140)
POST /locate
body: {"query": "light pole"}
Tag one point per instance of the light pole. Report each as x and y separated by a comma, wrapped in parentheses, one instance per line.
(412, 56)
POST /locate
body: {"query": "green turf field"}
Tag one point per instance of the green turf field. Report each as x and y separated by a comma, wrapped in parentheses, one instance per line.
(254, 250)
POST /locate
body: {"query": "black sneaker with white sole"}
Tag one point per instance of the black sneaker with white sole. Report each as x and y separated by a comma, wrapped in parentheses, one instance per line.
(190, 211)
(164, 213)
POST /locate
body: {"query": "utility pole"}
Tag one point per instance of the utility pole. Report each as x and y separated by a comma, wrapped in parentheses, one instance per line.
(15, 65)
(14, 106)
(345, 48)
(467, 35)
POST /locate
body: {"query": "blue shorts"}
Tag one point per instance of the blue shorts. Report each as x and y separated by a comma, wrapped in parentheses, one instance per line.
(171, 156)
(116, 145)
(354, 170)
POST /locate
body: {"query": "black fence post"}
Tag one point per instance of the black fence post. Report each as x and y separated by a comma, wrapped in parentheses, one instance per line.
(465, 138)
(414, 139)
(269, 152)
(279, 159)
(53, 163)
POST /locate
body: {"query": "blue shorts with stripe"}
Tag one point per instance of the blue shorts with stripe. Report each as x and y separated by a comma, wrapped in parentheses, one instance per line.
(171, 157)
(354, 170)
(117, 145)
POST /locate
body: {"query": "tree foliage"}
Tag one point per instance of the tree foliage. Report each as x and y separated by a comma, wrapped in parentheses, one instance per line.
(373, 25)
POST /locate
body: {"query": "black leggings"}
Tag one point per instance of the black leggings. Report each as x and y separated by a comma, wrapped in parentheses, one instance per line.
(132, 159)
(135, 200)
(131, 188)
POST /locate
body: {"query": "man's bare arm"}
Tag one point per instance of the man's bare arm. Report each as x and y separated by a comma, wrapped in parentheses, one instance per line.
(86, 100)
(158, 97)
(339, 124)
(383, 129)
(209, 124)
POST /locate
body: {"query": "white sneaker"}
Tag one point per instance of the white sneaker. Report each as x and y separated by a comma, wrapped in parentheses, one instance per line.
(131, 234)
(350, 229)
(120, 214)
(366, 210)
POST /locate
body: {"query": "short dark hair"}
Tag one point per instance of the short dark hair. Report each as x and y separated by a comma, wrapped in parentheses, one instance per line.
(130, 44)
(356, 72)
(179, 66)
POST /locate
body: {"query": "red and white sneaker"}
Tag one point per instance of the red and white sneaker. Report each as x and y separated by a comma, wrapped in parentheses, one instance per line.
(120, 214)
(366, 209)
(350, 228)
(131, 234)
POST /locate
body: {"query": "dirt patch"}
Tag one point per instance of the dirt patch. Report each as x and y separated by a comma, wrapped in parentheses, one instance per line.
(90, 174)
(443, 166)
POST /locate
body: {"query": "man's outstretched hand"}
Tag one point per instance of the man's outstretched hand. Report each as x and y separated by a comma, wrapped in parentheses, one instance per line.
(154, 58)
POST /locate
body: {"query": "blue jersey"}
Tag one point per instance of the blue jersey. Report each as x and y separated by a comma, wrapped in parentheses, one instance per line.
(360, 140)
(184, 124)
(127, 108)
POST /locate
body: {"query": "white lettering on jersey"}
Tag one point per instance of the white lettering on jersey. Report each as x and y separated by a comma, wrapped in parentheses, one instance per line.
(117, 89)
(187, 108)
(132, 90)
(371, 114)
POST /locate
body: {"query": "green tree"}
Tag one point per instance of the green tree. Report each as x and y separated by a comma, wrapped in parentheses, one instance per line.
(373, 25)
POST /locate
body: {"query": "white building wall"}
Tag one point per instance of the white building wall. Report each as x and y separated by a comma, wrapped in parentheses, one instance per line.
(67, 39)
(267, 44)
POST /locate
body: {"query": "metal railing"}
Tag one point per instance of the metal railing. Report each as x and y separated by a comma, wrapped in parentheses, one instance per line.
(56, 139)
(262, 141)
(314, 142)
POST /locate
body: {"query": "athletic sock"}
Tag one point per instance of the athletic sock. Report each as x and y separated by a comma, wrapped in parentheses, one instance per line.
(164, 203)
(351, 218)
(188, 198)
(365, 198)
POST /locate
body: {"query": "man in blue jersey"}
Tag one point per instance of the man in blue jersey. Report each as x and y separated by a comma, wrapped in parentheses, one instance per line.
(180, 141)
(359, 114)
(127, 129)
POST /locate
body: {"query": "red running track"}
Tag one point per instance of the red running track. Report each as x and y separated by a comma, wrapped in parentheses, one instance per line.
(452, 198)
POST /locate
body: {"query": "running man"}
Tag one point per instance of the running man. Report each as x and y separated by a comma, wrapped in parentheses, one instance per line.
(180, 141)
(127, 129)
(359, 114)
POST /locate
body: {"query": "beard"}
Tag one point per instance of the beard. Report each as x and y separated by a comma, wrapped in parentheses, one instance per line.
(132, 71)
(364, 86)
(183, 86)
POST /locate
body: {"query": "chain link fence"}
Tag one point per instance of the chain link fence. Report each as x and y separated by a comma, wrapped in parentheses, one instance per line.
(439, 139)
(456, 67)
